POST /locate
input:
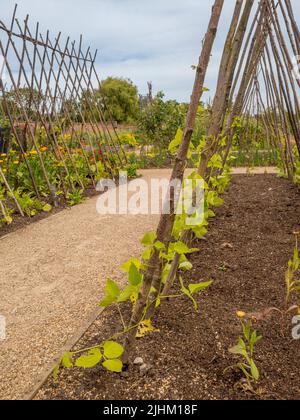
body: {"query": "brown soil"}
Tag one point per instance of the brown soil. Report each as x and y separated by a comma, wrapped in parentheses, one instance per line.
(190, 354)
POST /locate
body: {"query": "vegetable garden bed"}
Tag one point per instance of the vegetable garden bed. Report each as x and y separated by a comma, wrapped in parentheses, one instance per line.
(245, 253)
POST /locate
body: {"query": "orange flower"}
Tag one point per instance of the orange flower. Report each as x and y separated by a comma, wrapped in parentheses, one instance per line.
(241, 314)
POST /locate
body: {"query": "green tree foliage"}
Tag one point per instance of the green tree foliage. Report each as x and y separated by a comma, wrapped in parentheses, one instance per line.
(117, 98)
(121, 98)
(160, 120)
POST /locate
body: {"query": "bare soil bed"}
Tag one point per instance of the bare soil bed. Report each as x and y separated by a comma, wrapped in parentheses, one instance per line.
(246, 254)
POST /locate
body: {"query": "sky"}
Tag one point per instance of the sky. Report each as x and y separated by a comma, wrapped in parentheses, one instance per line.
(157, 40)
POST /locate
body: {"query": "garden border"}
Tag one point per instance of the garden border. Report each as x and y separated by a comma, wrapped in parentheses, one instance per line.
(69, 345)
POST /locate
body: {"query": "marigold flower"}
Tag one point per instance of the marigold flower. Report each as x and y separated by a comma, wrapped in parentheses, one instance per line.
(241, 314)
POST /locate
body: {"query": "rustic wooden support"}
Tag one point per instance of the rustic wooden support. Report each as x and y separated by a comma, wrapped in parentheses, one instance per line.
(152, 276)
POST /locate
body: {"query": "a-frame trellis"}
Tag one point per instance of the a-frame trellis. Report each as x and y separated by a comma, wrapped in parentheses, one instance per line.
(258, 78)
(49, 101)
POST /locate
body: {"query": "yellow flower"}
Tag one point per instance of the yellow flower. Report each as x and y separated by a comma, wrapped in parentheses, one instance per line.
(4, 170)
(33, 152)
(44, 149)
(3, 155)
(241, 314)
(16, 162)
(1, 161)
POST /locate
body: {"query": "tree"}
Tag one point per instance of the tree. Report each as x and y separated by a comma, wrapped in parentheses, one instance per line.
(160, 120)
(119, 98)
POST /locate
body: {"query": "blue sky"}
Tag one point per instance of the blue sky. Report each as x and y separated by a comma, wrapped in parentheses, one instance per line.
(157, 40)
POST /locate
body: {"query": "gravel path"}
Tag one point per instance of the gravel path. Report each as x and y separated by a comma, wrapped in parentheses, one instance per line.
(52, 276)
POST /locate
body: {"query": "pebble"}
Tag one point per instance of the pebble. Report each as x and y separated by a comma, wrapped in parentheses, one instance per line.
(144, 369)
(226, 245)
(138, 361)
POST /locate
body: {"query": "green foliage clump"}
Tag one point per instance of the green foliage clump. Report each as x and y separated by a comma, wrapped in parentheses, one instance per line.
(120, 96)
(158, 122)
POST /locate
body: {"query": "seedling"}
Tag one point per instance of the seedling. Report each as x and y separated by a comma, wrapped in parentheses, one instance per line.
(223, 268)
(245, 348)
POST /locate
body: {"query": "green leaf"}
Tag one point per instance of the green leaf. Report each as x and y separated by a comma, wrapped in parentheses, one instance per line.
(67, 360)
(188, 294)
(113, 292)
(113, 350)
(89, 360)
(199, 287)
(159, 246)
(47, 208)
(148, 239)
(127, 293)
(126, 267)
(182, 248)
(147, 254)
(247, 330)
(112, 288)
(113, 365)
(214, 200)
(135, 277)
(107, 301)
(255, 339)
(174, 145)
(186, 266)
(254, 370)
(296, 260)
(200, 232)
(239, 350)
(8, 219)
(216, 162)
(211, 214)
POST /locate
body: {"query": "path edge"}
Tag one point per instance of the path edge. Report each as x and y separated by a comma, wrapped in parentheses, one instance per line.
(44, 376)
